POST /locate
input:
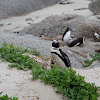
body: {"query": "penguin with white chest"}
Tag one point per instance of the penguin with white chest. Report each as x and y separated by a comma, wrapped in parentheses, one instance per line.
(97, 35)
(70, 40)
(58, 57)
(67, 36)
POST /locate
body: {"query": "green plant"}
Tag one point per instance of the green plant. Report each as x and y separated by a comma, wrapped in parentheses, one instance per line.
(88, 62)
(5, 97)
(67, 82)
(15, 56)
(33, 52)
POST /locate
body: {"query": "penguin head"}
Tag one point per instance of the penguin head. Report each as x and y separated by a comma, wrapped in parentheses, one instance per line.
(68, 29)
(56, 44)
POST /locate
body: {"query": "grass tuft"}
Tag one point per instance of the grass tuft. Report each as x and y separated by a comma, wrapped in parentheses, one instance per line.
(88, 62)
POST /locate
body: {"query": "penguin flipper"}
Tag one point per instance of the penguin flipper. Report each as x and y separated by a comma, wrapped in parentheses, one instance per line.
(65, 59)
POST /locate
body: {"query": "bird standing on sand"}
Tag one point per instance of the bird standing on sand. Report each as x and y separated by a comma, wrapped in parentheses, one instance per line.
(58, 57)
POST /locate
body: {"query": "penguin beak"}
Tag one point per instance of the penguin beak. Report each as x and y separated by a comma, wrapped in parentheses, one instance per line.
(71, 30)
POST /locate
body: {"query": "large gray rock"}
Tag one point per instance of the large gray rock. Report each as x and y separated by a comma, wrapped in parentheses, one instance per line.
(26, 41)
(95, 7)
(56, 25)
(19, 7)
(53, 25)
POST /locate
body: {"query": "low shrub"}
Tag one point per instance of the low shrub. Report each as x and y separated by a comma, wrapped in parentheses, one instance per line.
(67, 82)
(15, 56)
(6, 97)
(88, 62)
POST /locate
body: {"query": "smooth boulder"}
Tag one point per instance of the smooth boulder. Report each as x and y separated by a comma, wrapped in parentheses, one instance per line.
(56, 25)
(95, 7)
(19, 7)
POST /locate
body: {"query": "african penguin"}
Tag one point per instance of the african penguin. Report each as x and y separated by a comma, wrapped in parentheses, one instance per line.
(67, 35)
(58, 57)
(77, 42)
(97, 35)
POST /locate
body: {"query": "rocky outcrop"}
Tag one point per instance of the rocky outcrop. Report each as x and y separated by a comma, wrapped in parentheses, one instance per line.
(52, 26)
(44, 46)
(56, 25)
(20, 7)
(95, 7)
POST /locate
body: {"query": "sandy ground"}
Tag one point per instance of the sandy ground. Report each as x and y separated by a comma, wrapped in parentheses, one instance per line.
(91, 75)
(19, 83)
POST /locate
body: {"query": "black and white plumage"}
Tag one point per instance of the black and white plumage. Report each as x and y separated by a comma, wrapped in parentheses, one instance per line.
(67, 36)
(58, 57)
(78, 42)
(97, 35)
(69, 39)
